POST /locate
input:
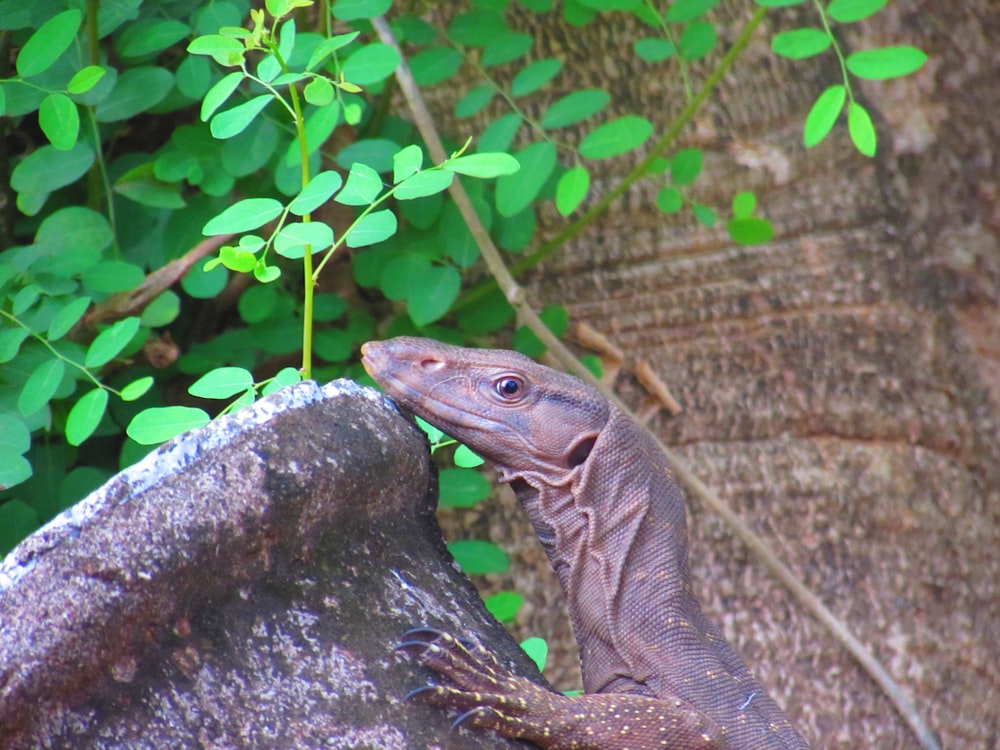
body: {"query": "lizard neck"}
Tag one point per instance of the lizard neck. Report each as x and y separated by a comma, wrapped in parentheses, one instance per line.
(614, 530)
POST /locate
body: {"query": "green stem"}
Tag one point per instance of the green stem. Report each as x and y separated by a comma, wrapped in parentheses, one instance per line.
(309, 284)
(639, 171)
(836, 48)
(55, 352)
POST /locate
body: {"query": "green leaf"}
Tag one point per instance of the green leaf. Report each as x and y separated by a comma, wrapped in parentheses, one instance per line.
(237, 259)
(222, 383)
(15, 437)
(432, 296)
(41, 386)
(474, 101)
(81, 228)
(516, 191)
(823, 114)
(319, 92)
(137, 388)
(886, 62)
(109, 276)
(504, 605)
(555, 318)
(140, 185)
(370, 64)
(687, 10)
(571, 190)
(243, 216)
(150, 35)
(110, 342)
(85, 79)
(616, 137)
(697, 40)
(293, 238)
(575, 107)
(47, 43)
(532, 77)
(705, 215)
(686, 166)
(17, 518)
(85, 415)
(235, 120)
(465, 458)
(377, 153)
(801, 43)
(483, 165)
(654, 50)
(10, 343)
(155, 425)
(423, 184)
(606, 5)
(778, 3)
(669, 200)
(462, 488)
(859, 125)
(67, 317)
(162, 311)
(319, 190)
(328, 46)
(362, 188)
(351, 10)
(47, 169)
(507, 48)
(434, 435)
(25, 298)
(137, 90)
(476, 557)
(219, 93)
(477, 27)
(750, 230)
(848, 11)
(537, 649)
(205, 279)
(375, 227)
(225, 50)
(59, 120)
(744, 204)
(406, 162)
(435, 64)
(258, 303)
(499, 134)
(284, 377)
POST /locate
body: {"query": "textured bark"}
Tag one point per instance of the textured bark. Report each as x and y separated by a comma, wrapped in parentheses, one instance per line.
(841, 384)
(243, 586)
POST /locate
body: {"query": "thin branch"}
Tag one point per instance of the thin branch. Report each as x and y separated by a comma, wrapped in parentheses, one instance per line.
(517, 298)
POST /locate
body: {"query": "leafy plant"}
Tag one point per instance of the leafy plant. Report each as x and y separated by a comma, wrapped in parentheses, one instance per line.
(177, 155)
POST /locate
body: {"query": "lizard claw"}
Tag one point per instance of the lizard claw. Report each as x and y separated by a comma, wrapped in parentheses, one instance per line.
(422, 690)
(468, 714)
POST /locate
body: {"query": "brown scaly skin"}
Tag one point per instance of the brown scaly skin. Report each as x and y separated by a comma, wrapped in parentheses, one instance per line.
(611, 519)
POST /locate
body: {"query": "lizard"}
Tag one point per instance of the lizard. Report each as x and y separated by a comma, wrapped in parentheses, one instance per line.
(611, 518)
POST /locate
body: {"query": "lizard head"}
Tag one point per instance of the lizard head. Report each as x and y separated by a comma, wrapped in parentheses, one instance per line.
(516, 413)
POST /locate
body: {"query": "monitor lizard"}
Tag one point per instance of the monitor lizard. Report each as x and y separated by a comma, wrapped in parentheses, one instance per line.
(607, 510)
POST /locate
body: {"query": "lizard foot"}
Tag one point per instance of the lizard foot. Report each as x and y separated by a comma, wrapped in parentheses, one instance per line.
(491, 697)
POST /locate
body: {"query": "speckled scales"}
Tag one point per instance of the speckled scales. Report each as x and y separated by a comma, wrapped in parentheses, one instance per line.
(611, 519)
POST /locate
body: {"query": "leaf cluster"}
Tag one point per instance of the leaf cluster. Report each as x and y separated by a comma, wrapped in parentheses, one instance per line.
(267, 134)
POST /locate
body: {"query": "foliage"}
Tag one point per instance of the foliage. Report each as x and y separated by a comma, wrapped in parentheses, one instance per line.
(159, 130)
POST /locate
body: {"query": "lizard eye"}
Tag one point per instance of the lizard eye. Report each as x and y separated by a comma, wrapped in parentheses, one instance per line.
(508, 387)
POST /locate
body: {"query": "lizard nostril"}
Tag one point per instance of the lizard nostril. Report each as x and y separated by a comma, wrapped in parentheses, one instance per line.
(430, 364)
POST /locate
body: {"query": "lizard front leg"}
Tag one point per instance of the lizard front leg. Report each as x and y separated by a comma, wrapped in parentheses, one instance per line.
(491, 697)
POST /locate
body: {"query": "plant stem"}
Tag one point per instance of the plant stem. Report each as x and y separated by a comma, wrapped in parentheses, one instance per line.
(638, 172)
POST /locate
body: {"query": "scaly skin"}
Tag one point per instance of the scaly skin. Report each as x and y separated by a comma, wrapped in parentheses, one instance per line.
(611, 518)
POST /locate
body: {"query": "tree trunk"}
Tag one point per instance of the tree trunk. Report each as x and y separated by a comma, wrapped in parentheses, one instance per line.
(840, 384)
